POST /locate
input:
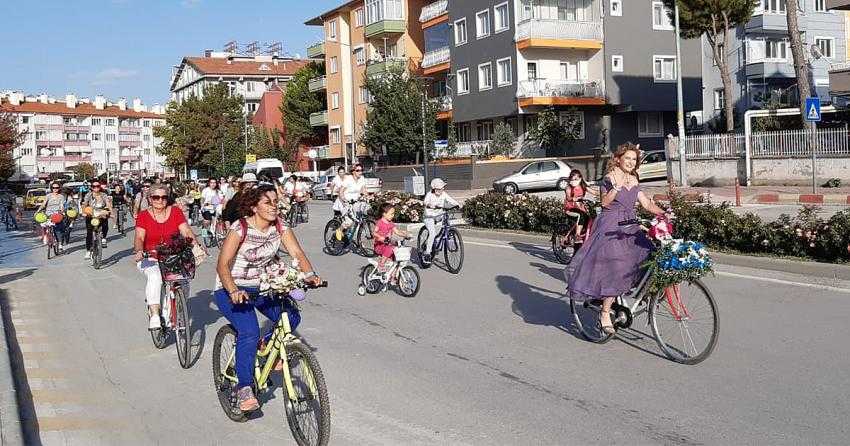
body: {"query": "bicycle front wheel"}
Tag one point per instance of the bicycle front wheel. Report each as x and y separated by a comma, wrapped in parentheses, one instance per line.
(224, 372)
(453, 251)
(684, 322)
(182, 329)
(408, 281)
(308, 411)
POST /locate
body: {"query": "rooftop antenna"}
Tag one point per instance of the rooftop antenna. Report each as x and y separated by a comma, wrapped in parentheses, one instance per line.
(231, 47)
(274, 48)
(253, 48)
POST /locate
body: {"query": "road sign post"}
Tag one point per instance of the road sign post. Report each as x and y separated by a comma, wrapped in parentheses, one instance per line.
(813, 115)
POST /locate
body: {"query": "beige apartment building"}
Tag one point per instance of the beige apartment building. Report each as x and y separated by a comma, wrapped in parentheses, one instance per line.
(360, 38)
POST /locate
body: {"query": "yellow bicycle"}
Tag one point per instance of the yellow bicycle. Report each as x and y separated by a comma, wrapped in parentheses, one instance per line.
(305, 392)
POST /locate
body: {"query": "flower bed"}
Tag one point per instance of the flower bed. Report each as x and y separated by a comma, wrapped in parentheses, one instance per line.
(408, 208)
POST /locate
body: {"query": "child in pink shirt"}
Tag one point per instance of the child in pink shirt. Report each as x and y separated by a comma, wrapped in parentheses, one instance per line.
(384, 230)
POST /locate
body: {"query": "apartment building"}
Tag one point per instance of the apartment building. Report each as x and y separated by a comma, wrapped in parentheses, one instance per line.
(247, 75)
(117, 137)
(761, 64)
(839, 74)
(360, 38)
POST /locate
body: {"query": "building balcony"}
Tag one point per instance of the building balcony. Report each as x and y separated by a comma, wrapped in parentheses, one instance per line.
(558, 34)
(128, 130)
(437, 60)
(125, 158)
(384, 26)
(78, 158)
(839, 78)
(559, 92)
(444, 107)
(318, 84)
(322, 152)
(767, 67)
(316, 50)
(49, 126)
(768, 22)
(77, 128)
(383, 65)
(842, 5)
(76, 143)
(319, 119)
(49, 142)
(434, 13)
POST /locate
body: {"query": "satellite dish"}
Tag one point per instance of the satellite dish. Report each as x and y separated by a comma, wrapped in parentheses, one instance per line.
(816, 51)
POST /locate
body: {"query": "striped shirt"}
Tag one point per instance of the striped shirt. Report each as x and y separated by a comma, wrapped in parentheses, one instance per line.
(256, 255)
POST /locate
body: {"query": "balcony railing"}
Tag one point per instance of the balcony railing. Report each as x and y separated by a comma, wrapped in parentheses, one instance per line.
(76, 143)
(77, 128)
(49, 142)
(378, 66)
(322, 152)
(49, 127)
(317, 84)
(444, 103)
(316, 50)
(436, 57)
(129, 129)
(319, 119)
(434, 10)
(556, 88)
(128, 158)
(841, 66)
(559, 30)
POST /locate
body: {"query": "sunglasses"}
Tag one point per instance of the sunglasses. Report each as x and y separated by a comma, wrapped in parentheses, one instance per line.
(95, 186)
(359, 170)
(146, 187)
(159, 197)
(54, 188)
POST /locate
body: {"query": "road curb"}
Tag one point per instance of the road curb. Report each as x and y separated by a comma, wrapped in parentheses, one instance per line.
(11, 432)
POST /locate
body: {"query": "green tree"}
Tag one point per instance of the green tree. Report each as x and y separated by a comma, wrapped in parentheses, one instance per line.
(298, 103)
(10, 138)
(504, 140)
(553, 130)
(269, 143)
(714, 19)
(205, 133)
(395, 119)
(83, 171)
(451, 143)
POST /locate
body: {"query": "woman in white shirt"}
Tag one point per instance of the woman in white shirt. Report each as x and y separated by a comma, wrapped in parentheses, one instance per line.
(353, 187)
(336, 185)
(436, 203)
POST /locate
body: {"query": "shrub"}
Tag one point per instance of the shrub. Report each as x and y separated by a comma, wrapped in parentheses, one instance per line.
(408, 209)
(517, 212)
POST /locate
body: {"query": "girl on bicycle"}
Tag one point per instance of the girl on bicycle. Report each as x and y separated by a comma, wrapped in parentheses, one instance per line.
(435, 204)
(575, 191)
(101, 207)
(384, 230)
(54, 203)
(249, 251)
(609, 263)
(211, 199)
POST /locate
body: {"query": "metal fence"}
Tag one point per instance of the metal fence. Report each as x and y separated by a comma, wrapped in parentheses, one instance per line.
(722, 146)
(834, 142)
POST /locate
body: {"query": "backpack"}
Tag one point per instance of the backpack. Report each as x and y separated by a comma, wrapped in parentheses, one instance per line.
(244, 227)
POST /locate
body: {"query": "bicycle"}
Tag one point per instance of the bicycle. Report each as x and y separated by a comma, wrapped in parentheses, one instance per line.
(357, 230)
(565, 240)
(50, 241)
(684, 313)
(174, 311)
(375, 281)
(121, 218)
(448, 240)
(97, 240)
(305, 392)
(215, 237)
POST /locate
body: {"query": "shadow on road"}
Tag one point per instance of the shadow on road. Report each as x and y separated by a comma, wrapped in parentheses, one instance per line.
(535, 251)
(11, 277)
(537, 306)
(23, 393)
(115, 258)
(202, 313)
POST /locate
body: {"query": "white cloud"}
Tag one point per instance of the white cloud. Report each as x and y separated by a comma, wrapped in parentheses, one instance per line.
(111, 75)
(190, 3)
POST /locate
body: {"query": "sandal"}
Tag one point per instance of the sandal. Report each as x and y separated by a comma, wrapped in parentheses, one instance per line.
(607, 329)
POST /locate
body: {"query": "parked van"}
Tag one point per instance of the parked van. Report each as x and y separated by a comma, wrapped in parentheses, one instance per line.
(270, 167)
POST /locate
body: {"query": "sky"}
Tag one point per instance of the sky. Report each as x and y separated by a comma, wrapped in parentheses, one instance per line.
(126, 48)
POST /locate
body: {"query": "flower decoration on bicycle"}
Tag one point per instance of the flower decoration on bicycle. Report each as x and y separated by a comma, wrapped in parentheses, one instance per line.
(284, 280)
(675, 261)
(176, 259)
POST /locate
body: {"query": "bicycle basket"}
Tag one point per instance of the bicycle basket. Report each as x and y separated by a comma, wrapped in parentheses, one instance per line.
(179, 266)
(402, 253)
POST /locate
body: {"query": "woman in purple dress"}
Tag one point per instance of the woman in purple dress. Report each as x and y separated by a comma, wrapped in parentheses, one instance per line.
(609, 263)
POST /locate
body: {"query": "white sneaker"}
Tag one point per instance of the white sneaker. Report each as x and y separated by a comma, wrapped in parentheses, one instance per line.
(88, 255)
(154, 322)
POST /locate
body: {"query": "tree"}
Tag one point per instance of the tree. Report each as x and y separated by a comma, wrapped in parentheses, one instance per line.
(801, 66)
(298, 103)
(10, 138)
(451, 142)
(83, 171)
(395, 119)
(552, 131)
(504, 140)
(714, 19)
(269, 143)
(205, 133)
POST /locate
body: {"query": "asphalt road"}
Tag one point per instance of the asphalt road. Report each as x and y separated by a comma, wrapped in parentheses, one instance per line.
(486, 357)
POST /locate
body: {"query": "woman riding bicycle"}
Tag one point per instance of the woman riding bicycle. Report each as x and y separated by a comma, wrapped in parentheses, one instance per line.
(435, 204)
(211, 200)
(609, 264)
(249, 251)
(119, 201)
(154, 226)
(101, 206)
(54, 203)
(573, 206)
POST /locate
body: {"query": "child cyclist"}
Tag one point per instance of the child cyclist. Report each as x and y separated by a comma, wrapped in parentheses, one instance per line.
(436, 203)
(384, 230)
(575, 191)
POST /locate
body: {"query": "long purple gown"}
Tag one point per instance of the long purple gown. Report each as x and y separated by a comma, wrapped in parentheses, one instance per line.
(609, 262)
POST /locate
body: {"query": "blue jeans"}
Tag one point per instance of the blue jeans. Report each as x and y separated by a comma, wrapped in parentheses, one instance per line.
(244, 320)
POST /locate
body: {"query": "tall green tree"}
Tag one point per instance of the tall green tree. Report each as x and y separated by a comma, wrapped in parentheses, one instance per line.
(553, 132)
(269, 143)
(504, 140)
(84, 171)
(298, 103)
(397, 115)
(205, 133)
(714, 19)
(10, 138)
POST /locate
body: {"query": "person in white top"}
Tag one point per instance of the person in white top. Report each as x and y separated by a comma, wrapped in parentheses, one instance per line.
(336, 185)
(212, 199)
(436, 203)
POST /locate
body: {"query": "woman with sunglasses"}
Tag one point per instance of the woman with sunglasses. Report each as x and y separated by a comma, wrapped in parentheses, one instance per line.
(101, 205)
(54, 203)
(156, 225)
(211, 199)
(353, 187)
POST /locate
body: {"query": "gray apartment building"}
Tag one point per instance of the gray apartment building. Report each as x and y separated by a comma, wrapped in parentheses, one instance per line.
(761, 64)
(609, 64)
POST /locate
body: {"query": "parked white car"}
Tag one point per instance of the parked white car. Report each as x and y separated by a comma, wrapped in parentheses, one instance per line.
(322, 188)
(536, 175)
(653, 166)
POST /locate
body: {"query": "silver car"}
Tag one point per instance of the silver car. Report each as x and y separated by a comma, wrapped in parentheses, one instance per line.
(536, 175)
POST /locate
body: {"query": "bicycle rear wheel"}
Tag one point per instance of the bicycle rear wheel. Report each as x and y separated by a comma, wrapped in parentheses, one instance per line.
(563, 245)
(685, 323)
(224, 372)
(421, 246)
(366, 237)
(586, 320)
(182, 329)
(335, 247)
(308, 411)
(453, 251)
(96, 251)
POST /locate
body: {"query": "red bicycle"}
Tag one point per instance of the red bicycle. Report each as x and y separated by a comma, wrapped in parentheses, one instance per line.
(566, 240)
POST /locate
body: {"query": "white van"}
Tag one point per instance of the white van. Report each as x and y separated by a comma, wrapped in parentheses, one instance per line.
(270, 167)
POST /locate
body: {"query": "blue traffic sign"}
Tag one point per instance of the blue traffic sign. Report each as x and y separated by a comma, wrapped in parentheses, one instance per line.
(812, 109)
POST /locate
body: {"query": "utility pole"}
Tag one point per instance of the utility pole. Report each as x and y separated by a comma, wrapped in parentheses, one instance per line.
(680, 107)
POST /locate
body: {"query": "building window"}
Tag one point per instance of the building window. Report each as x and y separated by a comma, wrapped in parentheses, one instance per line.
(484, 130)
(332, 30)
(377, 10)
(825, 45)
(485, 76)
(617, 63)
(25, 119)
(579, 118)
(358, 17)
(616, 8)
(26, 151)
(649, 125)
(463, 81)
(660, 19)
(772, 6)
(110, 122)
(719, 99)
(333, 68)
(334, 101)
(95, 136)
(364, 95)
(820, 5)
(67, 121)
(664, 68)
(504, 75)
(460, 32)
(359, 55)
(249, 86)
(147, 137)
(110, 137)
(147, 123)
(532, 71)
(334, 135)
(502, 16)
(482, 24)
(95, 121)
